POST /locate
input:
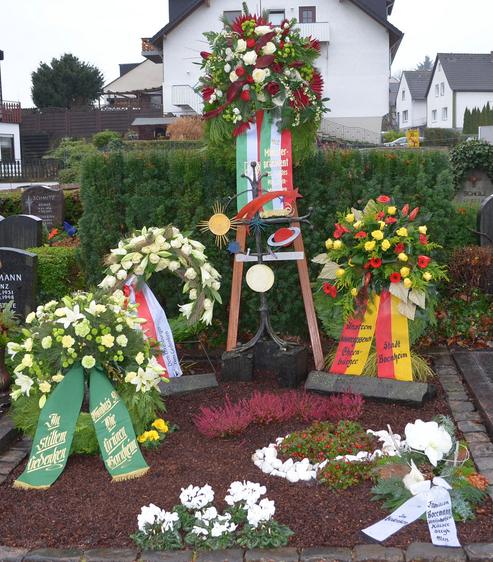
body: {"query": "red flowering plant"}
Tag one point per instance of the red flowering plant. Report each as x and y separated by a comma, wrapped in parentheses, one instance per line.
(381, 247)
(254, 65)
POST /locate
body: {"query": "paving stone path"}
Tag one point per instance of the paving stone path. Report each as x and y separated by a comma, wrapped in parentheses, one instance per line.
(468, 420)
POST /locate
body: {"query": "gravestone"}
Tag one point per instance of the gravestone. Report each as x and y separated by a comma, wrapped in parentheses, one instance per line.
(18, 279)
(21, 231)
(47, 203)
(485, 222)
(475, 188)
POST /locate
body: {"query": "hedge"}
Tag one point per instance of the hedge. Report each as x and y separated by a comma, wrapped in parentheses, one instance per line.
(124, 191)
(59, 272)
(10, 204)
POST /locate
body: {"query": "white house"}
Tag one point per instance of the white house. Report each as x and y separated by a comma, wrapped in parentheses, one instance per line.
(411, 99)
(358, 44)
(459, 81)
(138, 83)
(10, 118)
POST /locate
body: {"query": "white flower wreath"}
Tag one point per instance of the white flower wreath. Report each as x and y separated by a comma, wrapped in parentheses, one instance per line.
(153, 249)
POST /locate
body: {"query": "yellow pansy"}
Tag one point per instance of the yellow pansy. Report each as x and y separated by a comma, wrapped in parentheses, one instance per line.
(329, 243)
(402, 257)
(350, 217)
(391, 210)
(407, 283)
(427, 276)
(340, 272)
(354, 291)
(370, 246)
(337, 245)
(423, 229)
(377, 234)
(402, 231)
(160, 425)
(405, 271)
(385, 245)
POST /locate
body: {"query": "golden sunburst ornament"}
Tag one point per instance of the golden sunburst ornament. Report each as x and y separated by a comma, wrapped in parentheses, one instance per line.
(219, 224)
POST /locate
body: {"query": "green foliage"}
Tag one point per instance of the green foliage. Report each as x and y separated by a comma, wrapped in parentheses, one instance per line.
(441, 137)
(10, 204)
(425, 64)
(102, 139)
(66, 82)
(475, 118)
(122, 192)
(392, 492)
(390, 136)
(271, 534)
(59, 272)
(9, 323)
(471, 155)
(72, 152)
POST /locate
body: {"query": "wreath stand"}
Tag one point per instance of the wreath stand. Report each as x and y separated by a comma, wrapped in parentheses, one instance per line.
(266, 350)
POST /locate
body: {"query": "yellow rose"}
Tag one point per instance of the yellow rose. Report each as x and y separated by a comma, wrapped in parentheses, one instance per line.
(407, 283)
(67, 341)
(337, 245)
(340, 272)
(160, 425)
(402, 257)
(329, 243)
(427, 276)
(357, 225)
(350, 217)
(405, 271)
(423, 229)
(370, 246)
(391, 210)
(377, 234)
(385, 245)
(382, 225)
(402, 232)
(153, 435)
(354, 292)
(45, 387)
(142, 438)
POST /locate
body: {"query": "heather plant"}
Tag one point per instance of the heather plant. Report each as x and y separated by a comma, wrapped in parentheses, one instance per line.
(227, 421)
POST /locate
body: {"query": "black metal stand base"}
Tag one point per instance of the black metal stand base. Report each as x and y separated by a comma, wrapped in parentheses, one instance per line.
(290, 365)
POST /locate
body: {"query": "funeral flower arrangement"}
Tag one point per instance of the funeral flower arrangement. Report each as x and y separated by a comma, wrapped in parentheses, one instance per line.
(89, 329)
(380, 247)
(253, 66)
(247, 522)
(153, 249)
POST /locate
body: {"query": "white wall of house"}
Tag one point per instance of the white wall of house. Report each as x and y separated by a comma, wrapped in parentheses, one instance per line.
(440, 106)
(355, 63)
(470, 100)
(416, 109)
(12, 130)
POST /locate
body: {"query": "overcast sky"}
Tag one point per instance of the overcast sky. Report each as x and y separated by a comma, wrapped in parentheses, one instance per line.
(106, 33)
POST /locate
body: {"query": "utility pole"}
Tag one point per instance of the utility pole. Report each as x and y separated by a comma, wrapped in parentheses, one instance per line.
(1, 59)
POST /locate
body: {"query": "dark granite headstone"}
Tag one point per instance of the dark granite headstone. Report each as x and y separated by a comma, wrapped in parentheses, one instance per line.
(485, 222)
(21, 231)
(188, 383)
(18, 279)
(476, 186)
(47, 203)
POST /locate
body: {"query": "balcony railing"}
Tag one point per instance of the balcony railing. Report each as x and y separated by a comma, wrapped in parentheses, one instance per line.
(10, 112)
(30, 170)
(185, 96)
(319, 30)
(150, 51)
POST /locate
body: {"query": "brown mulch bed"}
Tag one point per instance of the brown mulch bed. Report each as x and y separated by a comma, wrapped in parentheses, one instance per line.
(84, 509)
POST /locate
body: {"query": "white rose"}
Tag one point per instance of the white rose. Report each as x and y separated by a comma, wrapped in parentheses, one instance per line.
(139, 358)
(263, 29)
(233, 76)
(186, 249)
(174, 265)
(45, 387)
(190, 273)
(154, 258)
(250, 58)
(241, 46)
(176, 243)
(259, 75)
(192, 294)
(269, 48)
(122, 340)
(208, 304)
(227, 67)
(107, 283)
(216, 285)
(28, 344)
(122, 274)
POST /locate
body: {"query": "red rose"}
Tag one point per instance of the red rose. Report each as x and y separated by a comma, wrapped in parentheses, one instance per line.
(413, 214)
(366, 265)
(375, 262)
(250, 79)
(205, 55)
(276, 67)
(340, 230)
(423, 261)
(399, 248)
(330, 290)
(281, 44)
(250, 43)
(361, 234)
(423, 239)
(380, 215)
(405, 210)
(207, 92)
(395, 277)
(383, 199)
(273, 88)
(240, 71)
(245, 95)
(390, 220)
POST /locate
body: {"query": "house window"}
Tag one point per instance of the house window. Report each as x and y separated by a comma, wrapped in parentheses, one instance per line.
(276, 16)
(442, 89)
(437, 90)
(231, 15)
(444, 113)
(403, 95)
(308, 14)
(7, 148)
(434, 115)
(405, 116)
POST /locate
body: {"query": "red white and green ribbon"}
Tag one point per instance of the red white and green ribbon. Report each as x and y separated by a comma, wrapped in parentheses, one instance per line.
(271, 149)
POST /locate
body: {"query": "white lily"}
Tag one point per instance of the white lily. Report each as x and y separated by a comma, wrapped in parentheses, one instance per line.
(71, 316)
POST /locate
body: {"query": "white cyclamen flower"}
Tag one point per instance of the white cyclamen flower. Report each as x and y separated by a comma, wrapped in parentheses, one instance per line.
(250, 58)
(430, 438)
(168, 520)
(248, 492)
(149, 514)
(194, 497)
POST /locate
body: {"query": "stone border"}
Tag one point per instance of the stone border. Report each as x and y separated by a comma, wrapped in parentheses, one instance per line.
(469, 423)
